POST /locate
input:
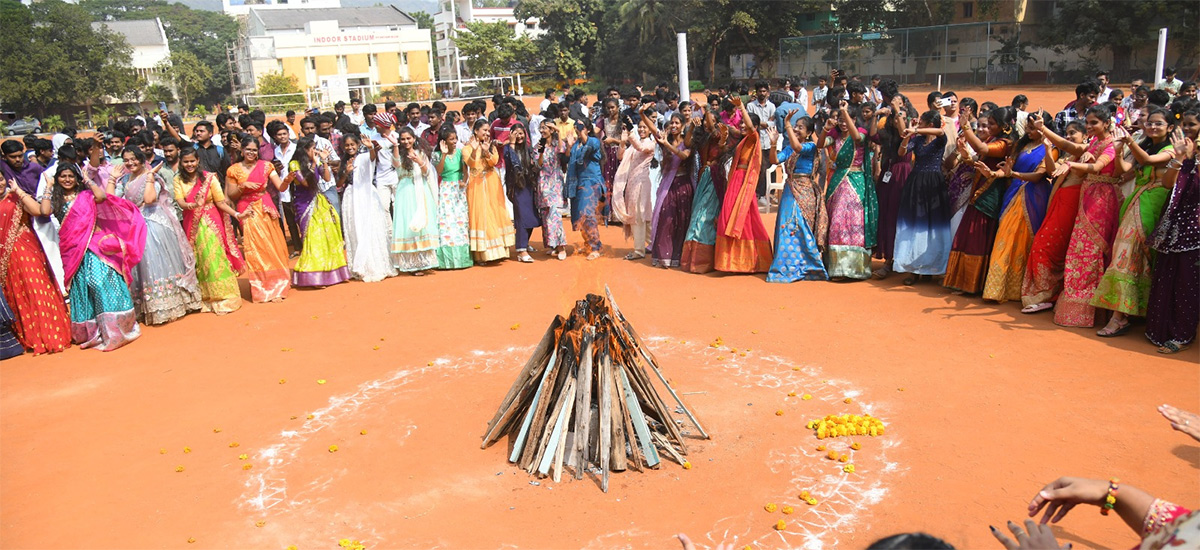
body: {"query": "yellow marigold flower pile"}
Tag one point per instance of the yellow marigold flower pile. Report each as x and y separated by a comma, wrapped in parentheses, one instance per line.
(787, 510)
(770, 507)
(780, 525)
(808, 498)
(717, 343)
(855, 446)
(846, 425)
(849, 468)
(351, 544)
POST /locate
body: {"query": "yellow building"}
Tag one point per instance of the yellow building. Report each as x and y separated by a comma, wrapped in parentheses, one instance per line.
(335, 51)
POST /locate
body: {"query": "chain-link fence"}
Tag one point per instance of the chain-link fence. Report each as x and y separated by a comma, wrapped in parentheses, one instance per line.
(982, 54)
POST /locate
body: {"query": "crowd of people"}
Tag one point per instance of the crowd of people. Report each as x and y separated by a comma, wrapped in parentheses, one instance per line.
(1092, 211)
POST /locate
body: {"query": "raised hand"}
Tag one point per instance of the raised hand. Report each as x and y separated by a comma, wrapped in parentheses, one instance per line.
(1060, 169)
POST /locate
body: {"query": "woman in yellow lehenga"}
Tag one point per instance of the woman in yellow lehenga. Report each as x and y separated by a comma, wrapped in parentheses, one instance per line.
(206, 223)
(491, 228)
(262, 239)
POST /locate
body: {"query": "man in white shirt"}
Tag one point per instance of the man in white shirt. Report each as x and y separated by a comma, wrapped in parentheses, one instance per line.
(1127, 103)
(1169, 82)
(285, 148)
(386, 162)
(413, 113)
(471, 113)
(873, 93)
(1102, 76)
(801, 97)
(547, 100)
(356, 114)
(820, 90)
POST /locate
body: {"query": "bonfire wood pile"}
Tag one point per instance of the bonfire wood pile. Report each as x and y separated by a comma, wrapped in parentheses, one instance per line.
(585, 400)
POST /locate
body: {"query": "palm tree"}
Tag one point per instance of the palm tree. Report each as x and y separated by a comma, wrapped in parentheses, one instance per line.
(53, 123)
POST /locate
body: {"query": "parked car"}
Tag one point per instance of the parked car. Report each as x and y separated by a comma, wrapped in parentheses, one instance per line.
(24, 126)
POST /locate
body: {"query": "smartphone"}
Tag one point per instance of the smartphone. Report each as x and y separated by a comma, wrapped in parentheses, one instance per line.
(944, 102)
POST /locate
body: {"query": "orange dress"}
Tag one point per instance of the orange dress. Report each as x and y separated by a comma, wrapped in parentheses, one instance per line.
(265, 249)
(41, 322)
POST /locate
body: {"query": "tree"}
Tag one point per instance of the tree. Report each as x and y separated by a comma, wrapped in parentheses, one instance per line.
(638, 39)
(283, 91)
(1122, 27)
(204, 34)
(157, 93)
(493, 49)
(569, 42)
(744, 26)
(188, 73)
(45, 66)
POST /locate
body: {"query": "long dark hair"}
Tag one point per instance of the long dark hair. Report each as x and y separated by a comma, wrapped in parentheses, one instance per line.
(58, 198)
(418, 144)
(307, 171)
(1025, 139)
(347, 164)
(1148, 144)
(525, 174)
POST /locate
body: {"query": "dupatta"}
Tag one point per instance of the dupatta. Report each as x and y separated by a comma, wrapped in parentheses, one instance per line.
(209, 214)
(113, 230)
(734, 221)
(255, 189)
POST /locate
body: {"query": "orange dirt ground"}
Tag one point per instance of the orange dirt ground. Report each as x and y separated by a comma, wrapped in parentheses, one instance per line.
(983, 405)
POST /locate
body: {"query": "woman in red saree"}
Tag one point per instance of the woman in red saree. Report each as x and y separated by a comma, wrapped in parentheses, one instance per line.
(40, 320)
(101, 238)
(743, 244)
(1044, 271)
(206, 222)
(266, 251)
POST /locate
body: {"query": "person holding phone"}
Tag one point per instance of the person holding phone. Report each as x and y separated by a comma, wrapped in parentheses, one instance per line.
(322, 259)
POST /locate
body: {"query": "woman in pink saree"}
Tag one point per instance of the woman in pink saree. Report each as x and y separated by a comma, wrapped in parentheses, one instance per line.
(101, 239)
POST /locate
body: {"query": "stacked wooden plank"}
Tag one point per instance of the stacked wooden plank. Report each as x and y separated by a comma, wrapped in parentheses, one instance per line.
(585, 401)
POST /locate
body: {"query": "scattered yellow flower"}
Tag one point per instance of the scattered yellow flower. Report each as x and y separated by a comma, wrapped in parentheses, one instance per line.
(796, 368)
(899, 389)
(351, 544)
(754, 332)
(187, 450)
(162, 451)
(811, 501)
(321, 381)
(216, 430)
(291, 547)
(293, 417)
(748, 350)
(179, 468)
(380, 338)
(243, 456)
(804, 495)
(515, 327)
(363, 432)
(832, 455)
(780, 525)
(787, 509)
(791, 394)
(333, 448)
(844, 458)
(847, 400)
(375, 348)
(806, 396)
(247, 466)
(234, 444)
(283, 381)
(476, 306)
(779, 412)
(820, 447)
(720, 358)
(855, 446)
(429, 364)
(286, 349)
(770, 507)
(717, 343)
(687, 465)
(310, 417)
(260, 523)
(849, 468)
(742, 354)
(191, 540)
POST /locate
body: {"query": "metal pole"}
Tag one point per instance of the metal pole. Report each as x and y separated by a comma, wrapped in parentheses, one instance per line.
(681, 43)
(1162, 55)
(520, 88)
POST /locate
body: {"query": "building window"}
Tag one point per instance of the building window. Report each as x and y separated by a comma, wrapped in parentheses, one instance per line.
(371, 60)
(312, 63)
(404, 58)
(953, 56)
(342, 64)
(968, 9)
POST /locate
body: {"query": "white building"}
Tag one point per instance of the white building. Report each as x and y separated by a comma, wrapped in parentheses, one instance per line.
(243, 7)
(452, 18)
(337, 50)
(149, 43)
